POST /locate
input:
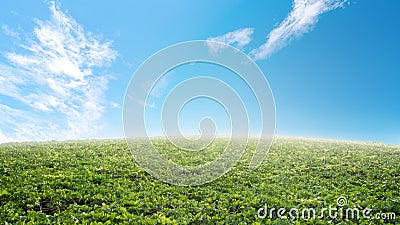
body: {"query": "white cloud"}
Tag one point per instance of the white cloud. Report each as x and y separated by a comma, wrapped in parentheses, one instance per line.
(4, 138)
(115, 105)
(53, 86)
(301, 19)
(159, 87)
(154, 90)
(7, 31)
(238, 38)
(145, 104)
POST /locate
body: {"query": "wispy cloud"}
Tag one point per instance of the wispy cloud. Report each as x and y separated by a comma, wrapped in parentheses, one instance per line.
(7, 31)
(53, 85)
(301, 19)
(238, 38)
(159, 87)
(145, 103)
(4, 138)
(155, 90)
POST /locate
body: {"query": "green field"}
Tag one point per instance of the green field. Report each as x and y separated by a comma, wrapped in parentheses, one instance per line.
(98, 182)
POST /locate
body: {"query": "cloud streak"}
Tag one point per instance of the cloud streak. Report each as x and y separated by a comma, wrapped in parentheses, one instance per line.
(52, 86)
(238, 38)
(302, 18)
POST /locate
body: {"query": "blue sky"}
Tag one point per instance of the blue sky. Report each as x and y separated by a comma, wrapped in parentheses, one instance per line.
(332, 65)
